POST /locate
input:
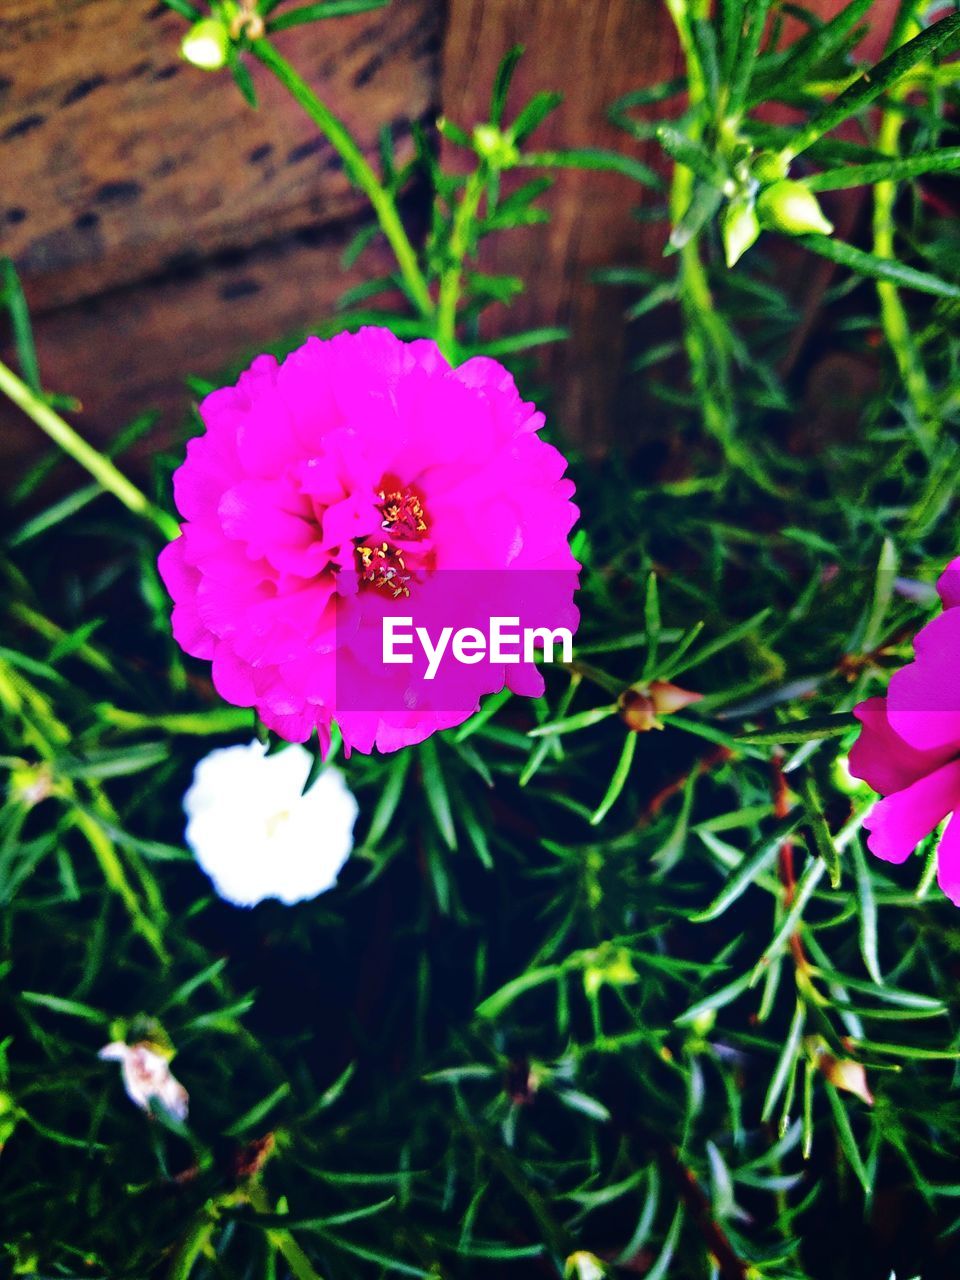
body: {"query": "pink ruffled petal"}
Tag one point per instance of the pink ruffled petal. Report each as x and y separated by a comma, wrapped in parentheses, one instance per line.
(881, 757)
(233, 679)
(949, 584)
(898, 823)
(923, 704)
(526, 680)
(354, 517)
(284, 485)
(948, 861)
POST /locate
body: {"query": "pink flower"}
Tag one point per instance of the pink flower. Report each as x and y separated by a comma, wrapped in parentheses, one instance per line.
(909, 746)
(362, 477)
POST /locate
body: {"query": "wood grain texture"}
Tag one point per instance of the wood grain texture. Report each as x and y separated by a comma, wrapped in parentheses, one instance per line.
(120, 160)
(131, 349)
(595, 53)
(162, 227)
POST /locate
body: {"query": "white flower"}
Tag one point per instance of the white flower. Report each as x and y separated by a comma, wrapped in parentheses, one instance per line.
(147, 1076)
(256, 835)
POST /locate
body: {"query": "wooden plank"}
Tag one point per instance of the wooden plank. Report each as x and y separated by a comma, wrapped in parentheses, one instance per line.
(594, 53)
(119, 160)
(130, 350)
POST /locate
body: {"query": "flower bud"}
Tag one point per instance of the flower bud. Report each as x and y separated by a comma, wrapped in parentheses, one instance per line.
(668, 698)
(522, 1082)
(793, 208)
(611, 965)
(842, 1073)
(636, 710)
(32, 784)
(584, 1266)
(740, 227)
(844, 780)
(641, 706)
(491, 143)
(147, 1078)
(769, 166)
(206, 45)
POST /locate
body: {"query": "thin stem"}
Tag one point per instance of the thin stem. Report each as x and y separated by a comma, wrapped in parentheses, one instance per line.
(870, 84)
(41, 728)
(893, 315)
(101, 468)
(787, 871)
(358, 170)
(701, 327)
(113, 873)
(452, 277)
(196, 1242)
(218, 720)
(282, 1240)
(50, 631)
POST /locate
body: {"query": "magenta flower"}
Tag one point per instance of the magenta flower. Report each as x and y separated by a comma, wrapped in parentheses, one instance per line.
(909, 746)
(363, 477)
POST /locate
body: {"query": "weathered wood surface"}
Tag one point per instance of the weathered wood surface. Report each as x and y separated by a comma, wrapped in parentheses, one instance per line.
(163, 228)
(593, 53)
(131, 349)
(120, 161)
(160, 225)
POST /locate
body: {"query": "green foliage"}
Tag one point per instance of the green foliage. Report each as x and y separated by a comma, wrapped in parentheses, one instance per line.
(737, 175)
(606, 987)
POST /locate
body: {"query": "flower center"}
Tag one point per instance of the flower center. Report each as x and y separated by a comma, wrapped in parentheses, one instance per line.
(384, 567)
(382, 564)
(402, 513)
(276, 821)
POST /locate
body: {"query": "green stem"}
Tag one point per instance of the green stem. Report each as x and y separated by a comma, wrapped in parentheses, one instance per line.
(50, 631)
(358, 170)
(101, 468)
(282, 1241)
(893, 315)
(555, 1235)
(115, 877)
(196, 1242)
(41, 728)
(452, 277)
(217, 720)
(892, 70)
(703, 333)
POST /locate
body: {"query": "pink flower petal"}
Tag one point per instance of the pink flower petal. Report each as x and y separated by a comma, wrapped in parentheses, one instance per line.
(948, 861)
(923, 704)
(949, 584)
(280, 499)
(233, 679)
(898, 823)
(881, 757)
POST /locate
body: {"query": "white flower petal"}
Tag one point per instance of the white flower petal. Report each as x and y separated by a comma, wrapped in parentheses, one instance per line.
(256, 836)
(147, 1076)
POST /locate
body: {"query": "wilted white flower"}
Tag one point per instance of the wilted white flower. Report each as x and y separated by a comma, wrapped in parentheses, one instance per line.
(147, 1076)
(254, 832)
